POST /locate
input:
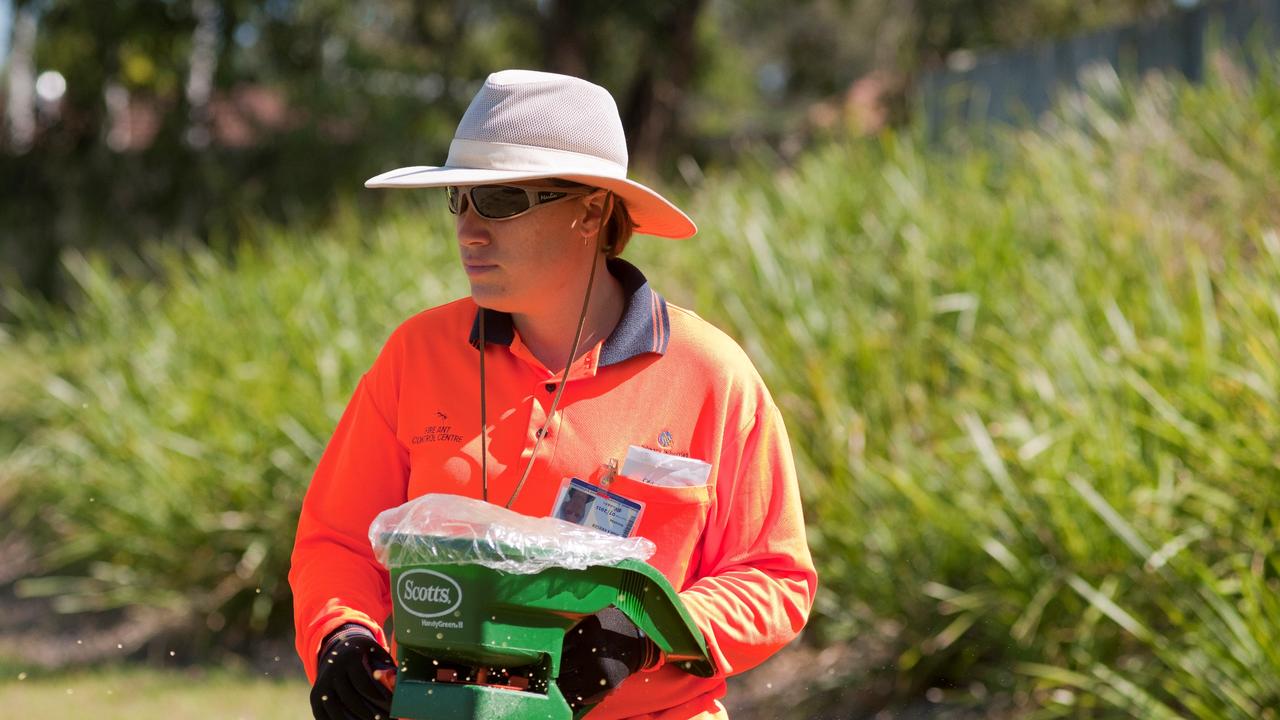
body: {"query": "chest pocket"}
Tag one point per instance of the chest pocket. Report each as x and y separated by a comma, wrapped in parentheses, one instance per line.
(673, 519)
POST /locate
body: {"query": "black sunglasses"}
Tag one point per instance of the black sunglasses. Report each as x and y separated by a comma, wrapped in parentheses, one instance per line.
(501, 202)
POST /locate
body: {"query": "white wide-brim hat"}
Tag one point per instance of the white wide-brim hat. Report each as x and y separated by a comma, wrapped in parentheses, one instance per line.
(527, 125)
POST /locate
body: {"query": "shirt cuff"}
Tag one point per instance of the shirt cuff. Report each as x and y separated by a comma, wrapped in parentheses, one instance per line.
(654, 658)
(345, 632)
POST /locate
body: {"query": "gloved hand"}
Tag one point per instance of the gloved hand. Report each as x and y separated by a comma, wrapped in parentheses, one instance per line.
(345, 688)
(599, 653)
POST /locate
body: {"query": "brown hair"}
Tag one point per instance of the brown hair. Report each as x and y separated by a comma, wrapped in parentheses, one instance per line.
(617, 229)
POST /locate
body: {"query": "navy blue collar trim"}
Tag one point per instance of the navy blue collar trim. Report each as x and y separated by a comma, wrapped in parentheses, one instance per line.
(643, 328)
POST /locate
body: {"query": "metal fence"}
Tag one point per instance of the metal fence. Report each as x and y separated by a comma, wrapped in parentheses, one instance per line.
(1018, 86)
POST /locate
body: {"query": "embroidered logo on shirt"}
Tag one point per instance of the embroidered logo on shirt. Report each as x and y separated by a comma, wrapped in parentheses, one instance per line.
(437, 433)
(665, 440)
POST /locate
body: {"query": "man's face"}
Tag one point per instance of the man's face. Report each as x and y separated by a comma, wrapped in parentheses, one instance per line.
(530, 263)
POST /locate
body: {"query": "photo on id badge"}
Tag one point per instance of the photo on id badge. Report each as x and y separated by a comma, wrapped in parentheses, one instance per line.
(582, 503)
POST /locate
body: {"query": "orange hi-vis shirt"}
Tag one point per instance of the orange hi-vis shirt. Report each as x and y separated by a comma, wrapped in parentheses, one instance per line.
(666, 380)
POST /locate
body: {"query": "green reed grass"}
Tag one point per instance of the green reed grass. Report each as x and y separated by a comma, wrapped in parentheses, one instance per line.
(138, 694)
(1033, 392)
(1031, 385)
(175, 424)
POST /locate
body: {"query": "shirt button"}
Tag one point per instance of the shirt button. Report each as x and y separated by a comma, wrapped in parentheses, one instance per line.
(551, 387)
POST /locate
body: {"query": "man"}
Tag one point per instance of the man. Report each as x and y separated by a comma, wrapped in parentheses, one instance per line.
(648, 404)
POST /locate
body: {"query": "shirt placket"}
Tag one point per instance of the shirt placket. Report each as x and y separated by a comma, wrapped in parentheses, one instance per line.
(542, 393)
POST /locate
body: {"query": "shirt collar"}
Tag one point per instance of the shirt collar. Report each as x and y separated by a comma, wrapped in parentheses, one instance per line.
(643, 328)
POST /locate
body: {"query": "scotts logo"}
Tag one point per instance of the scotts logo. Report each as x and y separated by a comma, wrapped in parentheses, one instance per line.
(664, 439)
(428, 594)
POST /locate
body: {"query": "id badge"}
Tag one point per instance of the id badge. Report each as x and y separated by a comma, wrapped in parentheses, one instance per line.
(582, 503)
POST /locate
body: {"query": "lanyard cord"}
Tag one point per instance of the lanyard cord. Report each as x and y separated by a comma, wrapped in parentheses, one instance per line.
(564, 380)
(484, 425)
(555, 403)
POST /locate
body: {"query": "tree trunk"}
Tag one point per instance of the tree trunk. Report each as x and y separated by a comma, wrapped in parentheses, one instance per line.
(20, 104)
(202, 67)
(562, 42)
(651, 114)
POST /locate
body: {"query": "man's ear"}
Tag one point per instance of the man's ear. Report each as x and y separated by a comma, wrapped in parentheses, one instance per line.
(598, 204)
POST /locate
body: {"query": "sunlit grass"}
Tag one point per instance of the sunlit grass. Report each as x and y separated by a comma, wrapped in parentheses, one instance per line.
(138, 694)
(1035, 394)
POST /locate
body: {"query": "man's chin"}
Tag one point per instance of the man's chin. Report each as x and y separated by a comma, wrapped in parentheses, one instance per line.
(489, 299)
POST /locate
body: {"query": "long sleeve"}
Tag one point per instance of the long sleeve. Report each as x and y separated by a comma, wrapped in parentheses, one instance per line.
(758, 578)
(334, 576)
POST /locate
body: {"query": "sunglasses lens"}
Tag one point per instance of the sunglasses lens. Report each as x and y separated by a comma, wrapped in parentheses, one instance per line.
(455, 198)
(499, 201)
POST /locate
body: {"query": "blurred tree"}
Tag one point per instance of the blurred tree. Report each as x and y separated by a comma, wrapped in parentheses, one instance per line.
(944, 26)
(188, 118)
(650, 70)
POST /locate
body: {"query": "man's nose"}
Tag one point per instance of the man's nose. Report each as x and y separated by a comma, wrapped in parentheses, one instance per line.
(470, 226)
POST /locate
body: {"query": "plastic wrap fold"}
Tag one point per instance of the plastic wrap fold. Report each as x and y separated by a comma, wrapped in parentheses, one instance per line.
(440, 529)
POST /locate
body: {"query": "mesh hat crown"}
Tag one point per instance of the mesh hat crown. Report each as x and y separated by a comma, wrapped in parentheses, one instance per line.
(528, 125)
(529, 108)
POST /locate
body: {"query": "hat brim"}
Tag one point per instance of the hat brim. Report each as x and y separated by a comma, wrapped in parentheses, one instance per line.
(651, 213)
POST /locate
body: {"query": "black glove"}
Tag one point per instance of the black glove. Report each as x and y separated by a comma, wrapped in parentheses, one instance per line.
(599, 653)
(345, 688)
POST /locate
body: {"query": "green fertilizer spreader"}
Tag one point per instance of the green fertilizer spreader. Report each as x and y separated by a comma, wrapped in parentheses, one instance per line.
(474, 642)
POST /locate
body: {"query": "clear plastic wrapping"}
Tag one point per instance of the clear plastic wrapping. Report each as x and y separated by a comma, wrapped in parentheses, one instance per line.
(454, 530)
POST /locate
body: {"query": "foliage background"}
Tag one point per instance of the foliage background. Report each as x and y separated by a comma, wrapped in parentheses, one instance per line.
(195, 118)
(1030, 378)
